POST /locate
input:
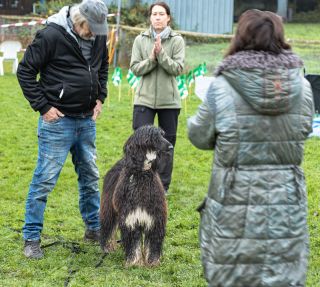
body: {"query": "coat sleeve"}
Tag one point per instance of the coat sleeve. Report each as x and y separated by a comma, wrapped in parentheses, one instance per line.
(201, 127)
(103, 73)
(201, 130)
(34, 59)
(173, 65)
(138, 65)
(308, 105)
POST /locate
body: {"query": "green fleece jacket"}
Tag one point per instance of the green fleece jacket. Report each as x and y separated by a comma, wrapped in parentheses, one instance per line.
(158, 86)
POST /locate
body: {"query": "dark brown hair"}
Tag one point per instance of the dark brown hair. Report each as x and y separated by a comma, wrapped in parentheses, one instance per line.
(260, 31)
(162, 4)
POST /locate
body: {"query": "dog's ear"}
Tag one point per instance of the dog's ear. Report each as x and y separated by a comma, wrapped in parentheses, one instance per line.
(162, 132)
(127, 148)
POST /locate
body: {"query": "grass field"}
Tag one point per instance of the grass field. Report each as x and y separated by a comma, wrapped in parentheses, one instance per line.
(213, 53)
(71, 262)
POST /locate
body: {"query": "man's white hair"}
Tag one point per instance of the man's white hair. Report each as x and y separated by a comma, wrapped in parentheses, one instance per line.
(76, 17)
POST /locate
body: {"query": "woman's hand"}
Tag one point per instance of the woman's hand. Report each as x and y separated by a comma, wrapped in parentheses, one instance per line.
(152, 55)
(156, 48)
(157, 45)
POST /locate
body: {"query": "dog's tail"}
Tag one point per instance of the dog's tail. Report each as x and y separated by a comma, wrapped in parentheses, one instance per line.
(108, 216)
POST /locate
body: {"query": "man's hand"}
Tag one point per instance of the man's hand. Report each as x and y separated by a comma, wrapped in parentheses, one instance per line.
(52, 115)
(97, 110)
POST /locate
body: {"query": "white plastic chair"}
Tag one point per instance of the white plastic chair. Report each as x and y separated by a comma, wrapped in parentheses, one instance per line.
(9, 50)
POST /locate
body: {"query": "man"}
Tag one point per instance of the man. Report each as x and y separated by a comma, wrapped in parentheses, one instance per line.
(71, 57)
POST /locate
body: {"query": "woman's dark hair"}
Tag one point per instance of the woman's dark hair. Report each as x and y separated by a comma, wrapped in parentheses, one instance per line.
(260, 31)
(162, 4)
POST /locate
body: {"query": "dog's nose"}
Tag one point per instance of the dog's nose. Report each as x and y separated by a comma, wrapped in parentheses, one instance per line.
(170, 147)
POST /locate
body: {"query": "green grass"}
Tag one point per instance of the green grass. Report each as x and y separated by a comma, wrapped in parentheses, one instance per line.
(213, 53)
(72, 260)
(18, 151)
(299, 31)
(302, 31)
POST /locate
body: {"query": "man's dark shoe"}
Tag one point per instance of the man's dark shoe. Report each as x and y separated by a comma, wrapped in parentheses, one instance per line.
(32, 249)
(92, 235)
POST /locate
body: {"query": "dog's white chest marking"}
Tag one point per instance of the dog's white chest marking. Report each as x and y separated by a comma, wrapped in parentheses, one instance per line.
(140, 217)
(150, 157)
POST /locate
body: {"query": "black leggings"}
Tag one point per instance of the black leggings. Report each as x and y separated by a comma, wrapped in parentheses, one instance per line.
(168, 121)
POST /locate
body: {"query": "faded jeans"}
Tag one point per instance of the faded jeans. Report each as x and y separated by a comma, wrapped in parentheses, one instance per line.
(55, 140)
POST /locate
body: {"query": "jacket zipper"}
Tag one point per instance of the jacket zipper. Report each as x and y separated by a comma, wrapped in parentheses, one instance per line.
(156, 89)
(76, 45)
(90, 95)
(78, 49)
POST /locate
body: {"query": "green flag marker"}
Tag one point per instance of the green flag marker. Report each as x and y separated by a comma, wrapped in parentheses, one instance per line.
(204, 68)
(190, 79)
(117, 76)
(200, 70)
(182, 86)
(132, 79)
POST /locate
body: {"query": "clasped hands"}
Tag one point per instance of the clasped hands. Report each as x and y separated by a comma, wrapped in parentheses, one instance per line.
(156, 48)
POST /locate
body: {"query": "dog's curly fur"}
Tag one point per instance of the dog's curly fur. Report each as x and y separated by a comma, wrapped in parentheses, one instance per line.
(133, 199)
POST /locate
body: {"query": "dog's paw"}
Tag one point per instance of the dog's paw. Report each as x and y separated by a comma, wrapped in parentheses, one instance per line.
(152, 263)
(110, 247)
(131, 263)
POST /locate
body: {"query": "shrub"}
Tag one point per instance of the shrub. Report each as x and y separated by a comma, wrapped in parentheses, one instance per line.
(307, 17)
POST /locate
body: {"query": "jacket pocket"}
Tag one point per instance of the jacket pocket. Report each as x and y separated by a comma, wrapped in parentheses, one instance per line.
(174, 87)
(139, 89)
(53, 91)
(63, 93)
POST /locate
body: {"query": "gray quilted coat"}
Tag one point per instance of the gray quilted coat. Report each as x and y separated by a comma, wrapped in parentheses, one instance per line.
(256, 116)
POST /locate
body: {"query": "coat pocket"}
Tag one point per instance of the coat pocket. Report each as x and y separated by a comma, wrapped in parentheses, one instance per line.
(226, 221)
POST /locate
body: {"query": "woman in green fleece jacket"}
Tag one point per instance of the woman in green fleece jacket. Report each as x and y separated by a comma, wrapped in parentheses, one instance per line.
(158, 57)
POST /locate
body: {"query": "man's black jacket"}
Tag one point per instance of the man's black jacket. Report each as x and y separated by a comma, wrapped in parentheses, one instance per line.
(67, 81)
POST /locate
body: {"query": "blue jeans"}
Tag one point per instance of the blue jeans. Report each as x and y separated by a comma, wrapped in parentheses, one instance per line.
(56, 139)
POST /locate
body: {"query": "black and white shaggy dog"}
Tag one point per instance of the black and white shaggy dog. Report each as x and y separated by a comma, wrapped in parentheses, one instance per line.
(133, 199)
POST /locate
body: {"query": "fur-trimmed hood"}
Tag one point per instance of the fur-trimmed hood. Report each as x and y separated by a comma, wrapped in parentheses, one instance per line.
(269, 83)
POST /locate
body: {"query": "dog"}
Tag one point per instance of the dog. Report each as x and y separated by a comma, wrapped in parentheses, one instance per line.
(133, 199)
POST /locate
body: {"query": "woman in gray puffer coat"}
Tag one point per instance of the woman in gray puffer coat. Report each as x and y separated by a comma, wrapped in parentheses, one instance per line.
(256, 116)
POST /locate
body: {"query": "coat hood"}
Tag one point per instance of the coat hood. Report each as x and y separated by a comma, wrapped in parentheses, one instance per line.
(61, 18)
(270, 83)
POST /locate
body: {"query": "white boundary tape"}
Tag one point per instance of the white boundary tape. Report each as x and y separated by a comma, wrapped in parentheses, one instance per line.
(32, 23)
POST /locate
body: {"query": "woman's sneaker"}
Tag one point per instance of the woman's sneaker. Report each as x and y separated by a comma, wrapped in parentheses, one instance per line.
(32, 249)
